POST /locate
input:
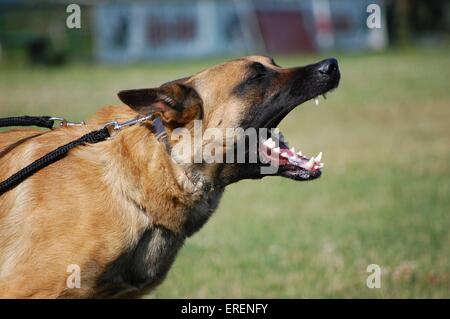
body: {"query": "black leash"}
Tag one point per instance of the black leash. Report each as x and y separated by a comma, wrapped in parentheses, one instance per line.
(59, 153)
(53, 156)
(40, 121)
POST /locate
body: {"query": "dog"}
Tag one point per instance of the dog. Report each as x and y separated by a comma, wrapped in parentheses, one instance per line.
(120, 210)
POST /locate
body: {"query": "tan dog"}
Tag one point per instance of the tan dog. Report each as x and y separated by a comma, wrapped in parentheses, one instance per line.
(121, 209)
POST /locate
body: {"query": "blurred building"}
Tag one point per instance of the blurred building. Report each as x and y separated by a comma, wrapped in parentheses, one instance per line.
(126, 31)
(196, 28)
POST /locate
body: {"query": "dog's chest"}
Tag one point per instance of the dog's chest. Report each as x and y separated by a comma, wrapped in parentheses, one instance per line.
(199, 214)
(146, 264)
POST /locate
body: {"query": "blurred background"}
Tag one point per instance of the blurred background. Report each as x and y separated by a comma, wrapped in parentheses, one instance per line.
(384, 197)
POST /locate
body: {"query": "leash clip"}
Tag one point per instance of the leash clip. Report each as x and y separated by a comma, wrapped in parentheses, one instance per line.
(115, 126)
(66, 123)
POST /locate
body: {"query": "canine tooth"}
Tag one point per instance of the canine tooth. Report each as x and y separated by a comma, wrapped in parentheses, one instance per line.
(276, 150)
(310, 163)
(292, 150)
(284, 154)
(319, 157)
(316, 100)
(299, 153)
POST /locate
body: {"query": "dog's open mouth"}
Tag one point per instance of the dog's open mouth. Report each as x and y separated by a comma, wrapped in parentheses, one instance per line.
(309, 83)
(291, 163)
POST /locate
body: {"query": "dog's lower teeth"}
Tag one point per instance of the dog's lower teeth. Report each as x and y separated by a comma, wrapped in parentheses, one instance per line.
(319, 157)
(310, 163)
(294, 158)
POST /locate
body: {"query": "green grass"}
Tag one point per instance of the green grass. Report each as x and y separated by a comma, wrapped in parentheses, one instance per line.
(384, 197)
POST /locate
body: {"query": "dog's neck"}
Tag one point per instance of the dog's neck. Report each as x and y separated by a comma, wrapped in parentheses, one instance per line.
(151, 179)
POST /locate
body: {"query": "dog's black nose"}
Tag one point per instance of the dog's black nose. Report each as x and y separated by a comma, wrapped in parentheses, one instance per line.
(328, 66)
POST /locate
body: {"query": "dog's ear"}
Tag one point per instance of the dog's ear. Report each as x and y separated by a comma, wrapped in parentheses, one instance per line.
(176, 103)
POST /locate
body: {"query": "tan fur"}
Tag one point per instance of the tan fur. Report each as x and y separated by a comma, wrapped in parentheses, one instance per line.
(87, 208)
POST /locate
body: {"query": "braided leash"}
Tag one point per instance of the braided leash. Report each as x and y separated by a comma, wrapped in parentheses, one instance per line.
(59, 153)
(53, 156)
(40, 121)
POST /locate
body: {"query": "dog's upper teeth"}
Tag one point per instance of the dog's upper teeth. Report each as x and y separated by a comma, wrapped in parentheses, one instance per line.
(316, 100)
(284, 154)
(319, 157)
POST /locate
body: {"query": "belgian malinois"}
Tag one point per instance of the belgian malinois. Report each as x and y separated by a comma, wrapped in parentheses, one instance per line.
(119, 211)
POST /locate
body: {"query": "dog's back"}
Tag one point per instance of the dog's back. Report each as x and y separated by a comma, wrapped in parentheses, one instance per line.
(41, 234)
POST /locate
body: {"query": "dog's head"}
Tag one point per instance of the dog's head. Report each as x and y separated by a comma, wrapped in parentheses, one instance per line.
(246, 93)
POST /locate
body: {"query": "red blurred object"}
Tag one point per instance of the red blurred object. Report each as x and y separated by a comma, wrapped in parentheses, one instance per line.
(285, 32)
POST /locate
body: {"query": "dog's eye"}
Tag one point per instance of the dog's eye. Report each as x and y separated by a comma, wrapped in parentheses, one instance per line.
(258, 72)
